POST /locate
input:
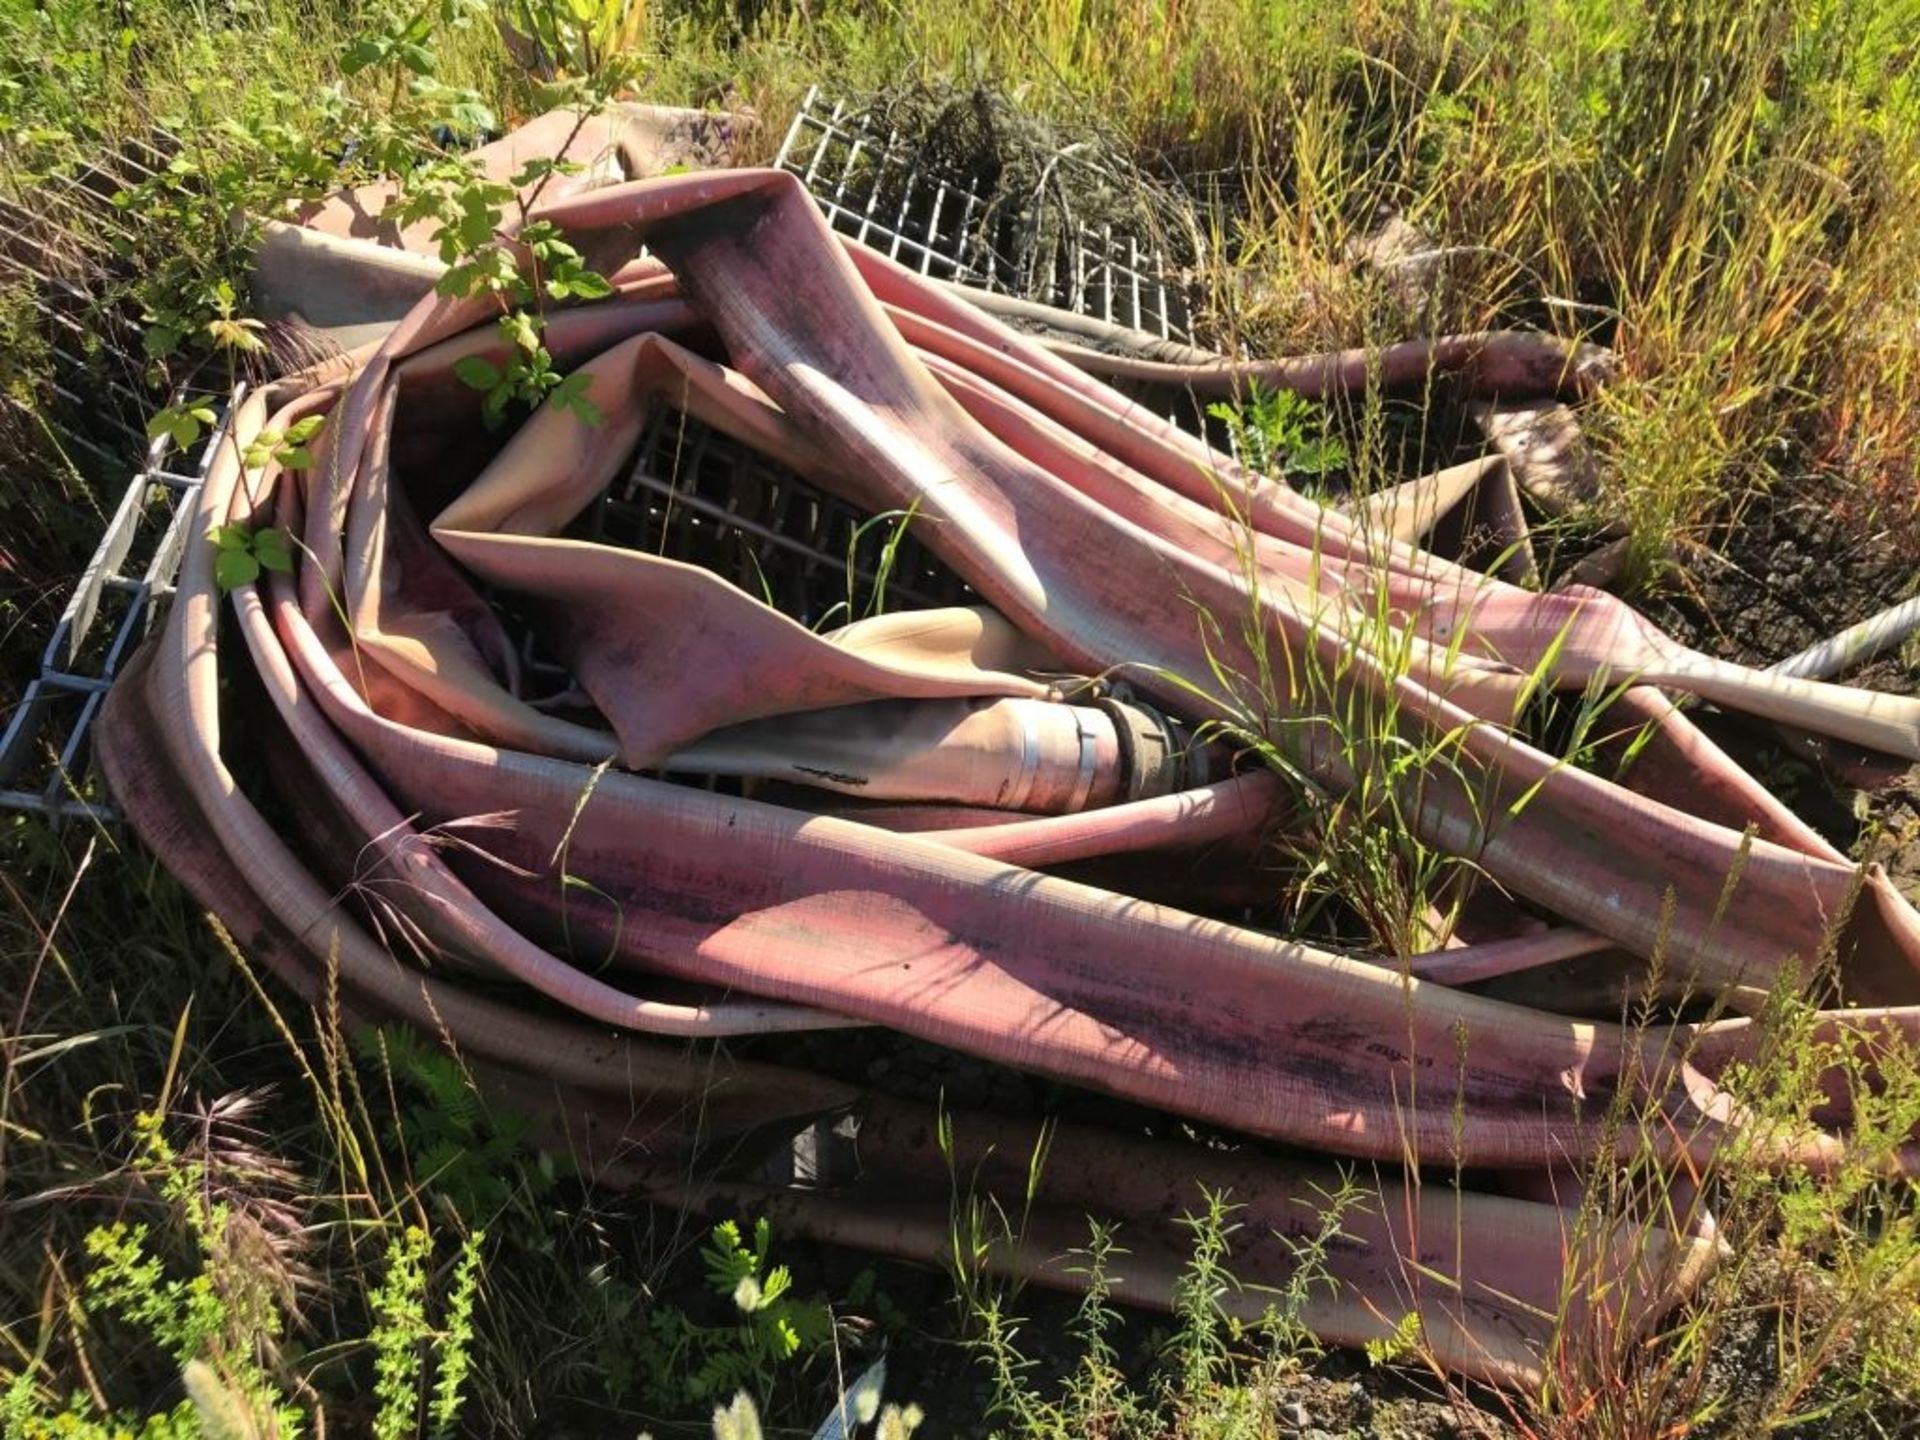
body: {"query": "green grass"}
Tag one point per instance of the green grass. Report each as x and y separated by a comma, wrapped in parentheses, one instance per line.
(1210, 1378)
(1807, 1325)
(1724, 192)
(1727, 192)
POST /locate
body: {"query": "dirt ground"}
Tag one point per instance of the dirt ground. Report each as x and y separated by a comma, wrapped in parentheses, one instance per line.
(1791, 574)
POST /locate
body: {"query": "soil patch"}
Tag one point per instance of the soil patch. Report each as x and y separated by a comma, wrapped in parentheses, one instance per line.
(1791, 574)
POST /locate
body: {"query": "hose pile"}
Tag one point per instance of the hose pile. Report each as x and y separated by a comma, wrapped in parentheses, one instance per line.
(528, 882)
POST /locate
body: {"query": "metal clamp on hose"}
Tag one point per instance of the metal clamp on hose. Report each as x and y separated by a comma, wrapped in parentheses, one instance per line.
(1157, 755)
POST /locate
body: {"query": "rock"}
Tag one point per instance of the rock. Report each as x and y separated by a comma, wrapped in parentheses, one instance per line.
(1294, 1415)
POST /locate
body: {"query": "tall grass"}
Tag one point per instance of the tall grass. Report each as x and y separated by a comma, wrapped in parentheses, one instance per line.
(1807, 1324)
(1725, 191)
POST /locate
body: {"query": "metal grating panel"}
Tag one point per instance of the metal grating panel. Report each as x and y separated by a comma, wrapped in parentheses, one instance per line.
(90, 379)
(53, 257)
(697, 495)
(702, 497)
(45, 755)
(877, 187)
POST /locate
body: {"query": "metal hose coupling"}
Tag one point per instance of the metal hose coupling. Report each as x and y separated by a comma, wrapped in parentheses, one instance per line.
(1158, 754)
(1034, 756)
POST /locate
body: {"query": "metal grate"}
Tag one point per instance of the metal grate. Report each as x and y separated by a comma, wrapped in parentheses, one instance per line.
(52, 258)
(89, 379)
(45, 755)
(702, 497)
(699, 496)
(880, 188)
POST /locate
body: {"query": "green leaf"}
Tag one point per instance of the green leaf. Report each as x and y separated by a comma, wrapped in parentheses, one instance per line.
(590, 286)
(1318, 457)
(779, 1281)
(521, 330)
(477, 371)
(304, 430)
(468, 116)
(230, 537)
(571, 394)
(787, 1339)
(160, 341)
(498, 269)
(362, 54)
(234, 568)
(475, 227)
(461, 279)
(495, 405)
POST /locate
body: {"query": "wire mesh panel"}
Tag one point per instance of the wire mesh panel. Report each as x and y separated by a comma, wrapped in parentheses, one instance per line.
(697, 495)
(83, 386)
(890, 193)
(45, 753)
